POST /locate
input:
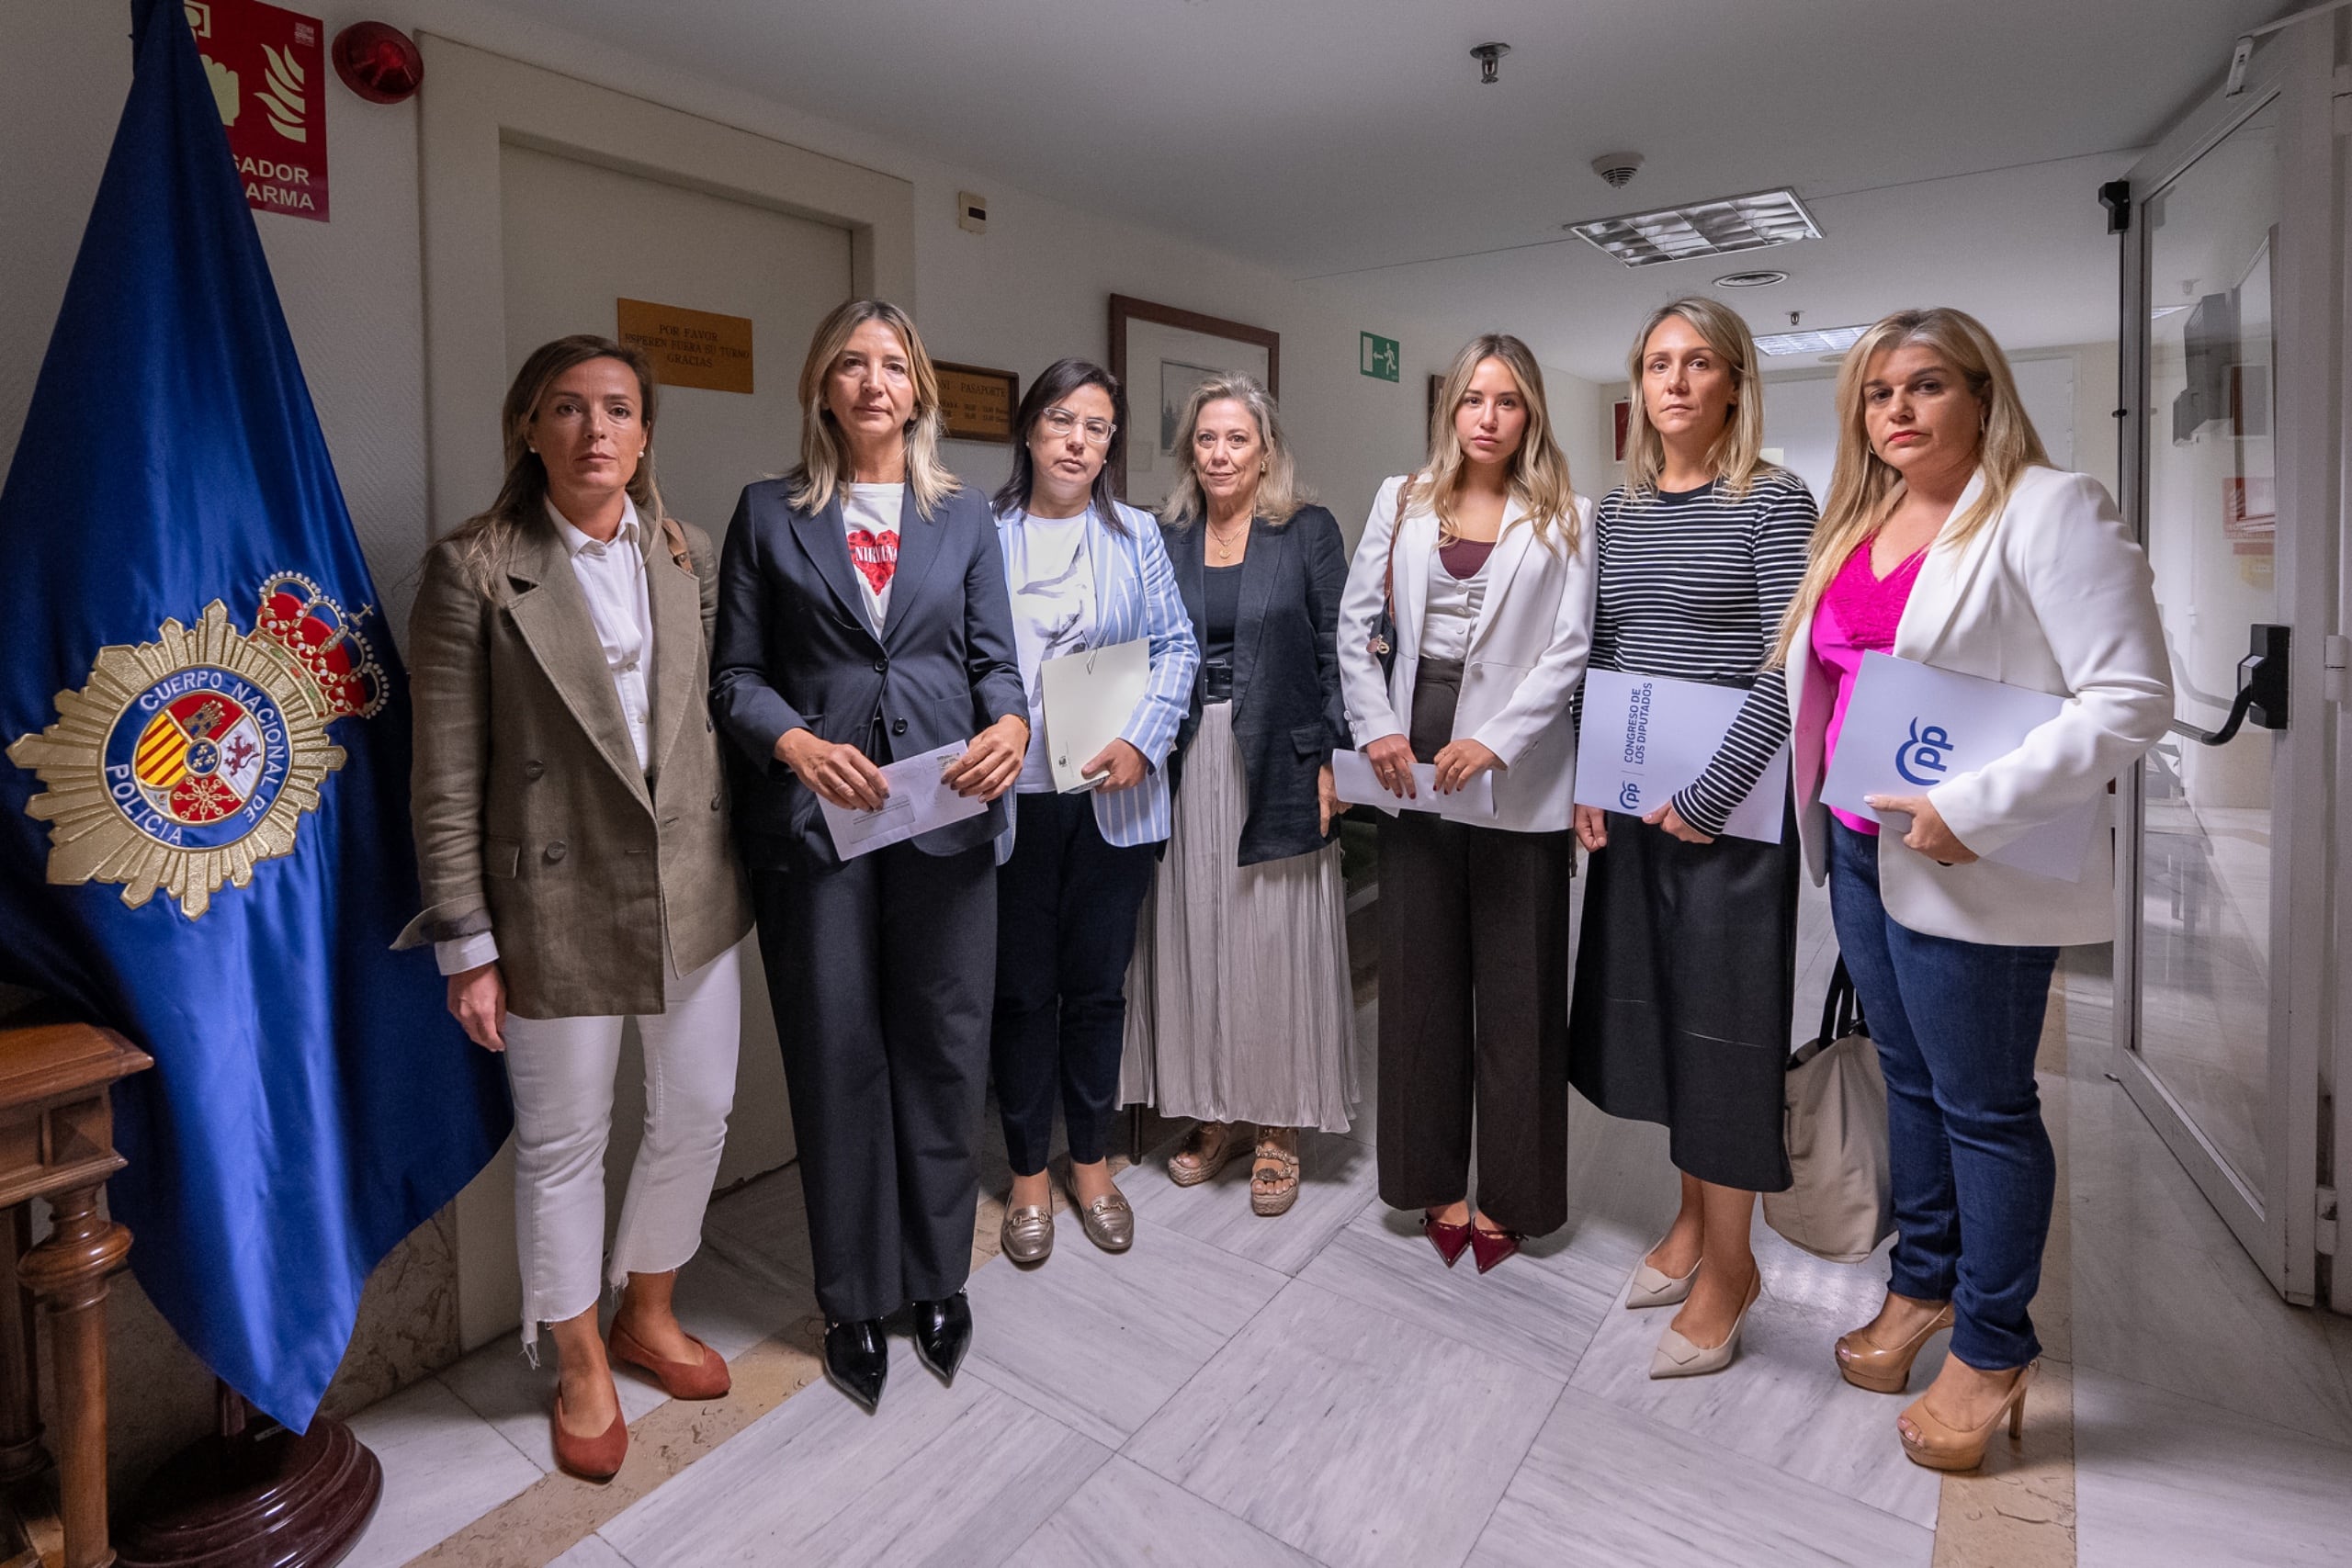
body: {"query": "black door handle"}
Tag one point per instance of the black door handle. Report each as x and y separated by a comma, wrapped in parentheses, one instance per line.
(2262, 690)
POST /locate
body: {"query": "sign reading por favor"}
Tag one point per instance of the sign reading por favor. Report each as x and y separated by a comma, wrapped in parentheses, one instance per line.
(268, 71)
(1380, 358)
(690, 348)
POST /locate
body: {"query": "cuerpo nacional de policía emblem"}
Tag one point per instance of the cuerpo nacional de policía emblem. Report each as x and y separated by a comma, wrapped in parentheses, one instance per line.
(187, 761)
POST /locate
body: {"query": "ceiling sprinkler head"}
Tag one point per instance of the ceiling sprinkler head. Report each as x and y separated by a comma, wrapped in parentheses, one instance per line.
(1617, 168)
(1489, 57)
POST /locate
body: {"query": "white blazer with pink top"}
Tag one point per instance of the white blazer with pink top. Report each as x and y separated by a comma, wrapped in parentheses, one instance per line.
(2054, 595)
(1526, 656)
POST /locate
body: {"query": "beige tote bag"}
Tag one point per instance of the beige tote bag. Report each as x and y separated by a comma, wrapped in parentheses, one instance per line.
(1834, 1118)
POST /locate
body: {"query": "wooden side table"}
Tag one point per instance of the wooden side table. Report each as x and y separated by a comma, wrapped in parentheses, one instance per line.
(57, 1142)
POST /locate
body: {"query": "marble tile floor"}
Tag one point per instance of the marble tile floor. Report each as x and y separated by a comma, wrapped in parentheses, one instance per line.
(1319, 1390)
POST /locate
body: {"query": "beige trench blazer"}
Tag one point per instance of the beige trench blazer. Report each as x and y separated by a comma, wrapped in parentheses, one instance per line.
(533, 821)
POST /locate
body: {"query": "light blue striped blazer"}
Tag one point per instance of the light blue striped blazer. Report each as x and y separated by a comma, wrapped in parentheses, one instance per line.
(1135, 596)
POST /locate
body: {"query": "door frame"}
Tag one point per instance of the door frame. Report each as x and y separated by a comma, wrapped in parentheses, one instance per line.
(481, 101)
(479, 104)
(2277, 1225)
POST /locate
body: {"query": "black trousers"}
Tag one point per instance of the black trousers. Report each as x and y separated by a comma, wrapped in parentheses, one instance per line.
(1474, 1002)
(882, 975)
(1473, 1018)
(1065, 909)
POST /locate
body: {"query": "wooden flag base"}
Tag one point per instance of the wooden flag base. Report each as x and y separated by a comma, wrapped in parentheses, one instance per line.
(254, 1495)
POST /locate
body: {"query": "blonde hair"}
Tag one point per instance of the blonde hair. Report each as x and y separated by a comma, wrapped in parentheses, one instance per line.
(824, 450)
(1279, 493)
(1864, 487)
(1539, 469)
(487, 539)
(1737, 454)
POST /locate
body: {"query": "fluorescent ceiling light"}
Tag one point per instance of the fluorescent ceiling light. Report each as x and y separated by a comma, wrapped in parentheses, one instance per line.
(1831, 340)
(1702, 229)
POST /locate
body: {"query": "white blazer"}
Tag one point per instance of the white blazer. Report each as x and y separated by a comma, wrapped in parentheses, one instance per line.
(2053, 594)
(1527, 653)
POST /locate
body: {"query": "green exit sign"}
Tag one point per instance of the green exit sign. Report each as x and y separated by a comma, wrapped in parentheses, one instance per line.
(1381, 358)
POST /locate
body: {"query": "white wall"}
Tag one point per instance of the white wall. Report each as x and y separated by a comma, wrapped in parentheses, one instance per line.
(2070, 392)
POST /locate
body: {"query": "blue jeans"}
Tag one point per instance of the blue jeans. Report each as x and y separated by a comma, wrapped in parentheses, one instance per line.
(1956, 1025)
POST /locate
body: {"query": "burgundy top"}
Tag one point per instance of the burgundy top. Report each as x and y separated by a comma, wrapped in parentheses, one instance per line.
(1463, 557)
(1858, 614)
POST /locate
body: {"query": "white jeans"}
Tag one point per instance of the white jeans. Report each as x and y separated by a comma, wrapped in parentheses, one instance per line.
(562, 1072)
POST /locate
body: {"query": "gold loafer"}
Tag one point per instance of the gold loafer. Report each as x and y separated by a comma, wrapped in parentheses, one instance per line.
(1109, 1222)
(1027, 1234)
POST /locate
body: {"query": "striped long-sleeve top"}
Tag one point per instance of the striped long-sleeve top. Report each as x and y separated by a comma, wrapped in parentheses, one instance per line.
(1692, 586)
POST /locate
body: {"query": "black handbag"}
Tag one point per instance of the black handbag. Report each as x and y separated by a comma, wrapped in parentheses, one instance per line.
(1382, 641)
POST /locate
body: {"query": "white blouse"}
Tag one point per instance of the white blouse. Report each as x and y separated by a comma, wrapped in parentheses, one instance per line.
(1451, 612)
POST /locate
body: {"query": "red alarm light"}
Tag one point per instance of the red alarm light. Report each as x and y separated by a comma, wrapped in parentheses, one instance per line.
(377, 62)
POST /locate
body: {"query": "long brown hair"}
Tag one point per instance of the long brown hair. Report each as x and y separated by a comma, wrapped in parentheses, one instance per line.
(1279, 495)
(1737, 454)
(1539, 469)
(487, 538)
(824, 450)
(1864, 487)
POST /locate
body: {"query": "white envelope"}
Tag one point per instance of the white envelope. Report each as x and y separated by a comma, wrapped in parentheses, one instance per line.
(1909, 727)
(1645, 737)
(1089, 697)
(917, 803)
(1352, 776)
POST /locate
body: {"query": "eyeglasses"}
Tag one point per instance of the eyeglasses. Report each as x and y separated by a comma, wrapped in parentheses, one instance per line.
(1060, 421)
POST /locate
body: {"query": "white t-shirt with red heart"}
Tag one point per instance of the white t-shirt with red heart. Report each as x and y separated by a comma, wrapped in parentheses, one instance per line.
(870, 519)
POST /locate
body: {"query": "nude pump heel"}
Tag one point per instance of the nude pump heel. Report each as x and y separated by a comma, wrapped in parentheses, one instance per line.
(1941, 1446)
(1886, 1369)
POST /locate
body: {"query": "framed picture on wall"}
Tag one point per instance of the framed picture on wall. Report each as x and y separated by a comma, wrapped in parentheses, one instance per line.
(976, 403)
(1160, 354)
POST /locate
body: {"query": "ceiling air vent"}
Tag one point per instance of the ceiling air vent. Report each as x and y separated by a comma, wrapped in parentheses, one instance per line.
(1701, 228)
(1750, 279)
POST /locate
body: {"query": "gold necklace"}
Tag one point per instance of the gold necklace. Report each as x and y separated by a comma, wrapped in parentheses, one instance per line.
(1224, 542)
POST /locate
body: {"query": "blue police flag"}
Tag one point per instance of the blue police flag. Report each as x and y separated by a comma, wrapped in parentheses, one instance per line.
(204, 835)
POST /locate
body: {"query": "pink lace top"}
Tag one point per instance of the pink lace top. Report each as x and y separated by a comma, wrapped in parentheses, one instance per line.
(1858, 614)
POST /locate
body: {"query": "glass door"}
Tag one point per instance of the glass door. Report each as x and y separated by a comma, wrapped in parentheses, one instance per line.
(2224, 927)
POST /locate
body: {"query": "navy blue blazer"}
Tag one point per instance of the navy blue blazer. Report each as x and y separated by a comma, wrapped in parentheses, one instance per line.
(794, 650)
(1287, 715)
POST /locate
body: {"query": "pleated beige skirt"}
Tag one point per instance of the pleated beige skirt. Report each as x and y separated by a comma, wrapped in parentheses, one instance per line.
(1239, 1004)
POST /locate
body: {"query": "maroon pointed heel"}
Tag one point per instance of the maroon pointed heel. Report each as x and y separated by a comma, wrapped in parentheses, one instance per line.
(1493, 1246)
(1449, 1240)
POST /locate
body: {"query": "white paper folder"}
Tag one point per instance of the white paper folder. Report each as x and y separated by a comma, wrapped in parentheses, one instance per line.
(1909, 727)
(1645, 738)
(1089, 697)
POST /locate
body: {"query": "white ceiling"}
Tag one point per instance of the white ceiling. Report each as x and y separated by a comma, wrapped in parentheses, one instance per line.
(1950, 151)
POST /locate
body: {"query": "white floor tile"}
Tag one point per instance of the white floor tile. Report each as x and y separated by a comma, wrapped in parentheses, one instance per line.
(1781, 1402)
(444, 1467)
(1100, 1341)
(594, 1551)
(1126, 1515)
(955, 1476)
(2161, 1481)
(1605, 1488)
(1358, 1440)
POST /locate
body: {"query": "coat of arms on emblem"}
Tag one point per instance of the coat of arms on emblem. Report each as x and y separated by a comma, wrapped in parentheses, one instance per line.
(187, 761)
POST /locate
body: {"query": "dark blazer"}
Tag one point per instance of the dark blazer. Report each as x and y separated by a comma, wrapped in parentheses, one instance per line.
(533, 821)
(1287, 716)
(794, 650)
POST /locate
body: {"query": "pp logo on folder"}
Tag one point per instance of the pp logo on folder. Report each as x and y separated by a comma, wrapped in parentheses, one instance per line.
(1926, 753)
